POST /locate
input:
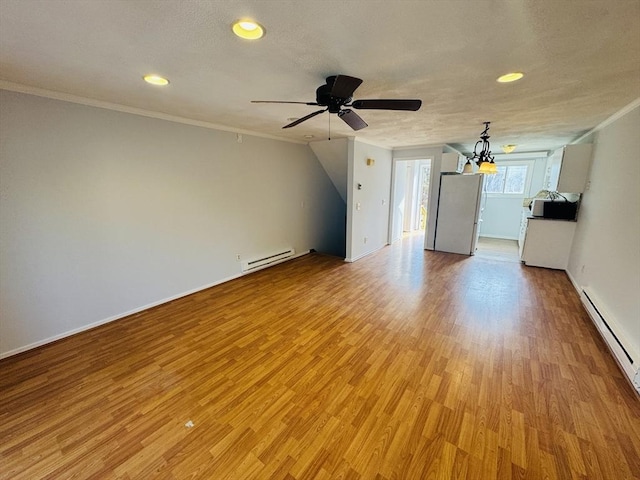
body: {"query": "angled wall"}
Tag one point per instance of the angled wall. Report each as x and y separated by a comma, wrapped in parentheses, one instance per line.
(333, 155)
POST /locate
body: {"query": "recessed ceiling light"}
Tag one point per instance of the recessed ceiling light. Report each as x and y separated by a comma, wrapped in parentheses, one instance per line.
(510, 77)
(308, 137)
(155, 80)
(248, 29)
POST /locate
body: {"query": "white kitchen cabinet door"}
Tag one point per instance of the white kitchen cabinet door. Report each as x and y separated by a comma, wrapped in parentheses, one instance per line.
(568, 168)
(547, 243)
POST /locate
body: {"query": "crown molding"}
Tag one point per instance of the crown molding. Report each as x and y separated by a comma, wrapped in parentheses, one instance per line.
(438, 146)
(90, 102)
(372, 143)
(619, 114)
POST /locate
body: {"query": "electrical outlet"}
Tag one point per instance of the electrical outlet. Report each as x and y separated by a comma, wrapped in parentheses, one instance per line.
(365, 239)
(238, 257)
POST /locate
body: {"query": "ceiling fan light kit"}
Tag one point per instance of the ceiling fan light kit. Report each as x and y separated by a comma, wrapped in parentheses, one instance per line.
(336, 95)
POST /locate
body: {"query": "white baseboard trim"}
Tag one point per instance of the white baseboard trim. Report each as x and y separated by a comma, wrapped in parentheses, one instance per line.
(119, 316)
(362, 255)
(612, 335)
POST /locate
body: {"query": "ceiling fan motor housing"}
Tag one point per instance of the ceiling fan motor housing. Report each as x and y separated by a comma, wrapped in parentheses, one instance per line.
(325, 99)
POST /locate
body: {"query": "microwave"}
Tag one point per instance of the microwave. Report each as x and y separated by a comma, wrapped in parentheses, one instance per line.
(537, 206)
(555, 209)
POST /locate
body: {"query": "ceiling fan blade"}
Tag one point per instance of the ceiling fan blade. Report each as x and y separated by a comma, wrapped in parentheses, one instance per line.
(344, 86)
(300, 120)
(381, 104)
(352, 119)
(278, 101)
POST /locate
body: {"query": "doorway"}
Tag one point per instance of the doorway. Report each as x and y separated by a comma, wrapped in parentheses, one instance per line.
(409, 197)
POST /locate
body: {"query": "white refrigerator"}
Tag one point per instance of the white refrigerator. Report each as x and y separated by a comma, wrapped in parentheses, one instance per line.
(458, 213)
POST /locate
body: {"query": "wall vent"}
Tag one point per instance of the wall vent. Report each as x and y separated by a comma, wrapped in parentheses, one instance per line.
(263, 261)
(627, 359)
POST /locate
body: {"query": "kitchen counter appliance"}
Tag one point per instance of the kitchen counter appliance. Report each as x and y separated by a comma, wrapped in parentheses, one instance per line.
(557, 207)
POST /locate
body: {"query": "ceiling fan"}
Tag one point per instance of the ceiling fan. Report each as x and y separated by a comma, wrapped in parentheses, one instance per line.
(337, 93)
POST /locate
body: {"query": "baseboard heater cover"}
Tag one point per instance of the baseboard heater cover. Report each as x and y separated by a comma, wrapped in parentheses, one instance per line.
(268, 259)
(627, 359)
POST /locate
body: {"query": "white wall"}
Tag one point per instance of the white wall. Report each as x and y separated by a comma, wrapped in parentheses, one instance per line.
(606, 250)
(103, 212)
(368, 207)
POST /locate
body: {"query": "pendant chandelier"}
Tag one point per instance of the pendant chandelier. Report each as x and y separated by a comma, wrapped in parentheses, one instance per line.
(484, 159)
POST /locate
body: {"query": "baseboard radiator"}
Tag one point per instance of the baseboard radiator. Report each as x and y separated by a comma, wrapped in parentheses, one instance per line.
(627, 359)
(264, 260)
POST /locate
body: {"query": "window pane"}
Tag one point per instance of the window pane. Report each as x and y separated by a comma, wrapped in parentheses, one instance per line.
(515, 179)
(494, 183)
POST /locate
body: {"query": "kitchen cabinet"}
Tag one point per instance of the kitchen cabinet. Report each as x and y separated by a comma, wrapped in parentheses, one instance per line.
(568, 168)
(547, 242)
(452, 162)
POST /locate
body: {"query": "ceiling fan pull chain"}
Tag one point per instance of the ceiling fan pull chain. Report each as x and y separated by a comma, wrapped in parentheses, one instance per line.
(329, 127)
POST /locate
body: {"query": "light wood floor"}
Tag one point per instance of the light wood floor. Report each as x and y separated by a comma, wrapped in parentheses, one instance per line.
(404, 365)
(498, 249)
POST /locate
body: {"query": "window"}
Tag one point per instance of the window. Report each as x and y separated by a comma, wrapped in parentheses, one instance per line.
(510, 180)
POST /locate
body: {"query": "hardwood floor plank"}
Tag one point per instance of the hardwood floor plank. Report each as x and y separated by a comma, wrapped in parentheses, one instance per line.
(398, 366)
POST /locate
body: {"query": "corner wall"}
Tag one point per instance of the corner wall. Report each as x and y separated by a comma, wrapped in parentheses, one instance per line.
(368, 206)
(103, 213)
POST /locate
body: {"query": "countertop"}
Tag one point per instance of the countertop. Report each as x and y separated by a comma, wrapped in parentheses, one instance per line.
(531, 217)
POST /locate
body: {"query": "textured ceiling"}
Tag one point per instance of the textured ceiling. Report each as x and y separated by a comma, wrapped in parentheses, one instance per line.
(581, 60)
